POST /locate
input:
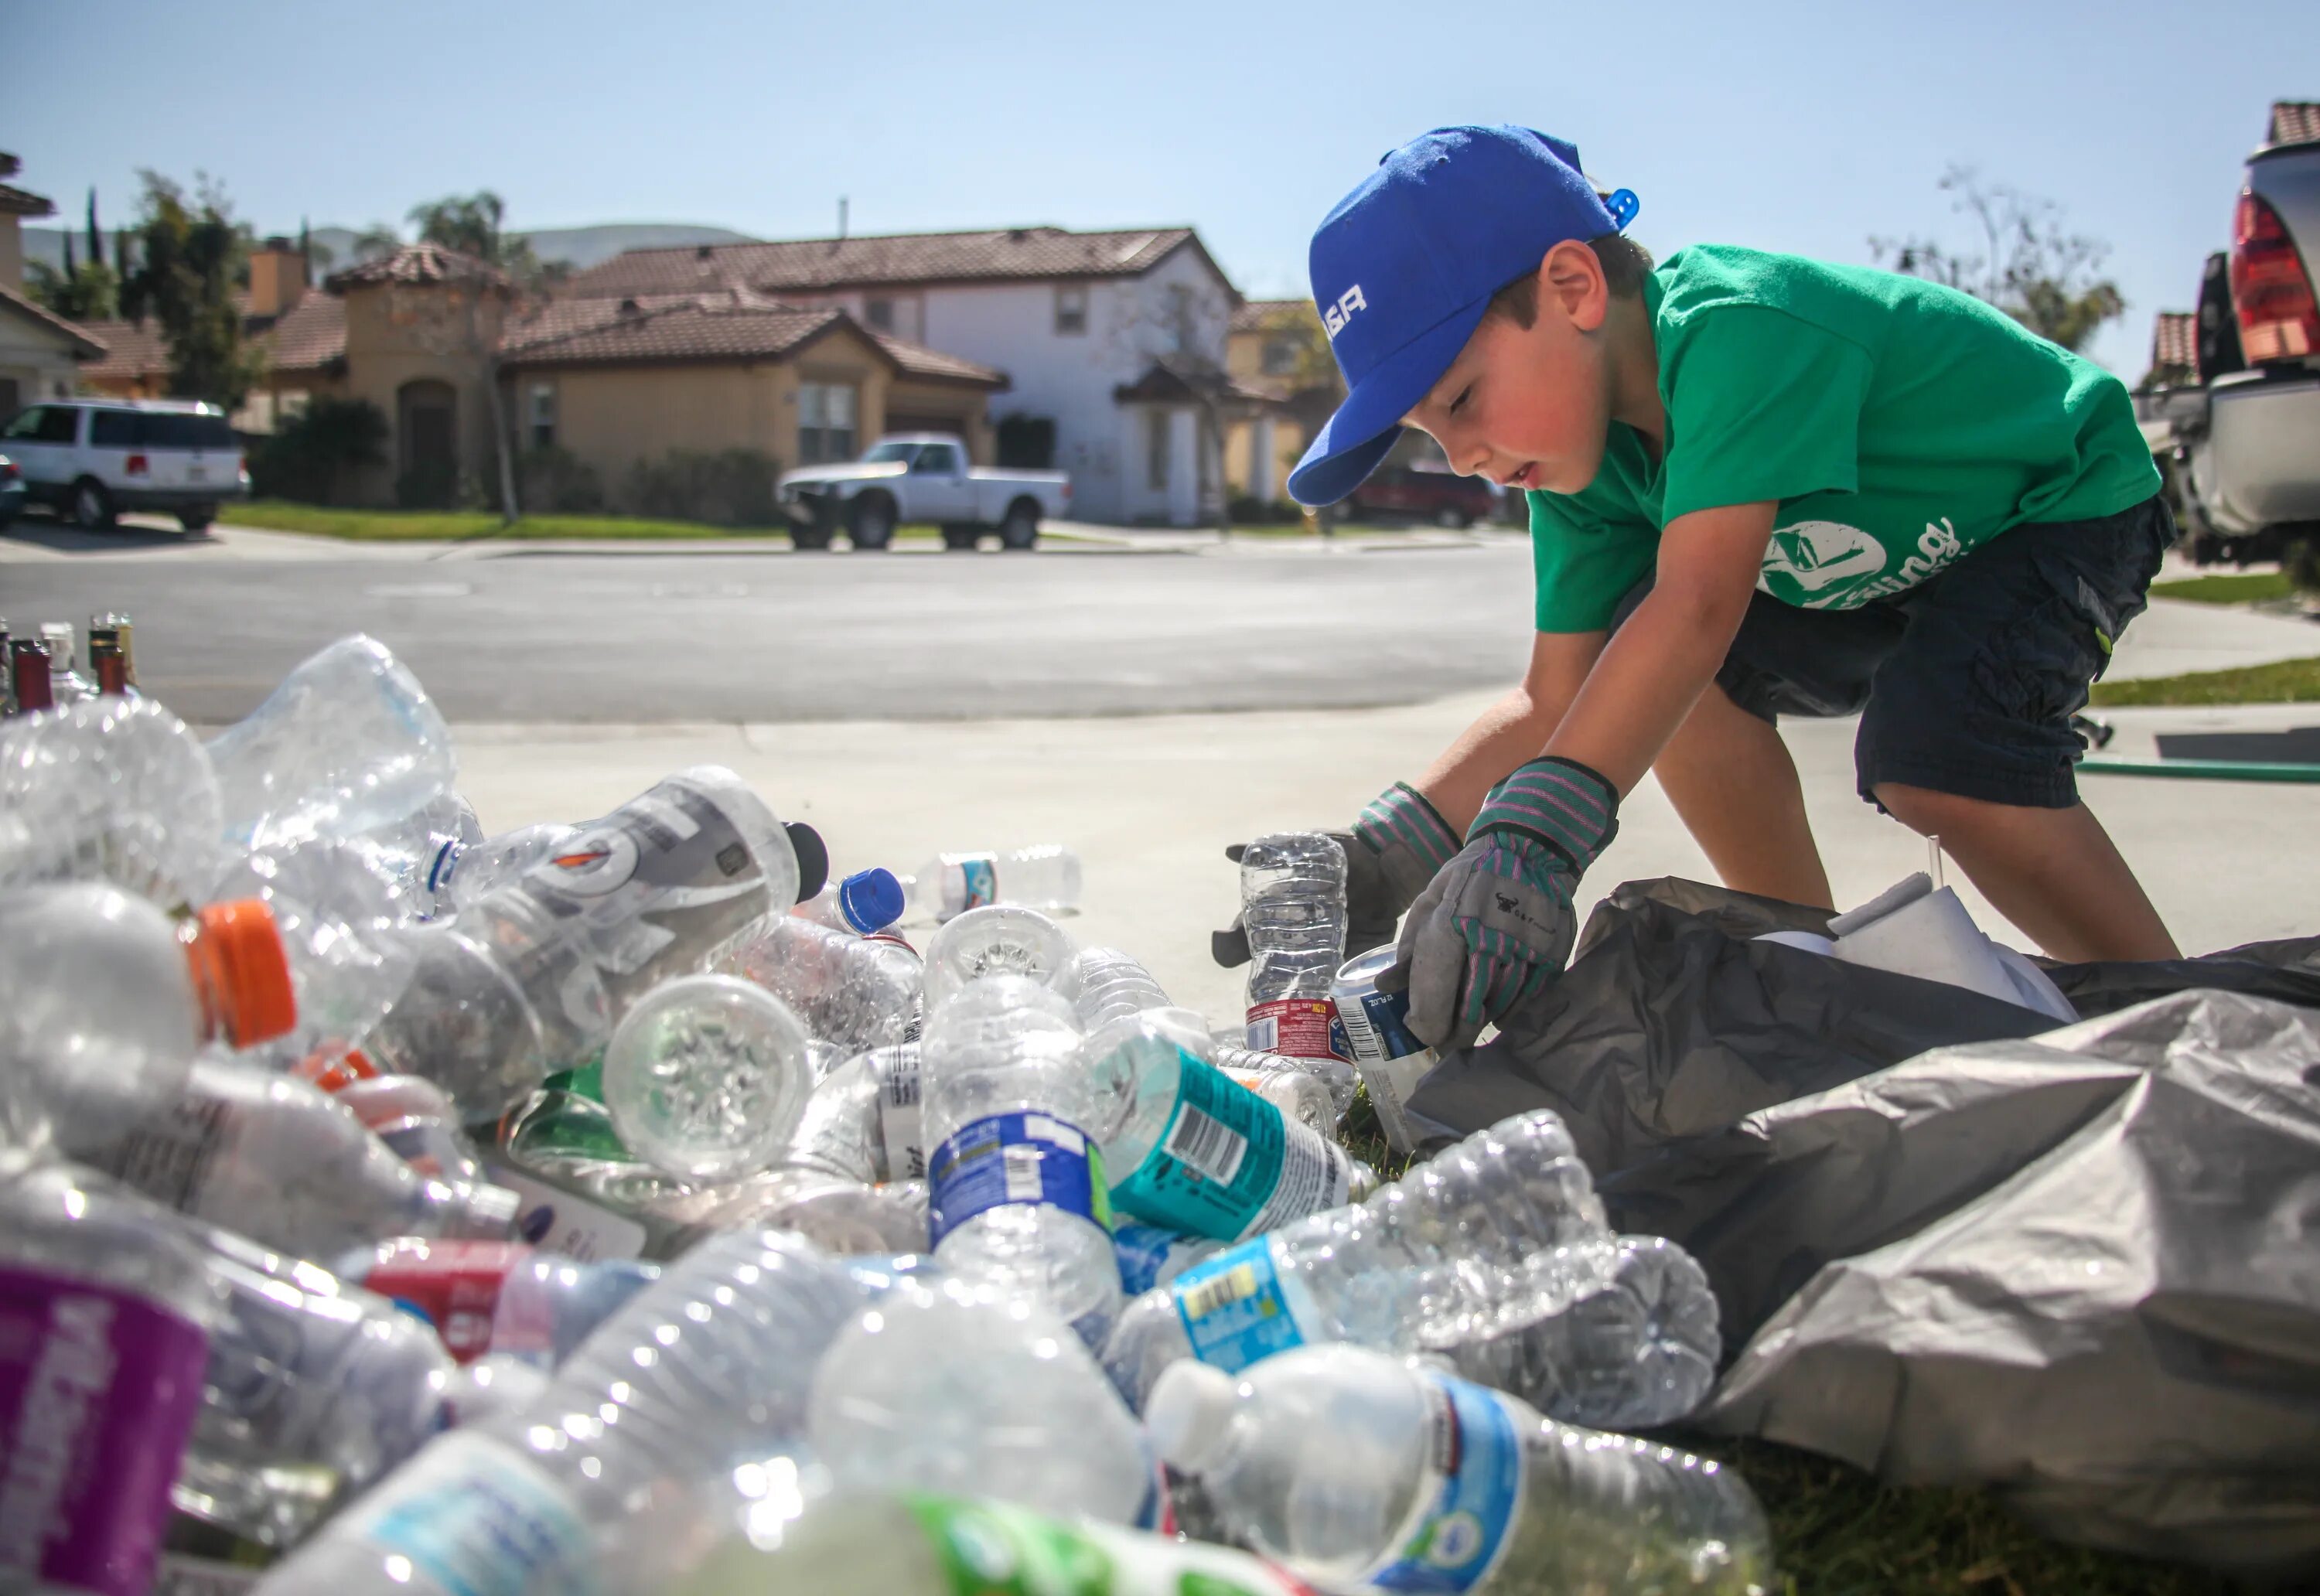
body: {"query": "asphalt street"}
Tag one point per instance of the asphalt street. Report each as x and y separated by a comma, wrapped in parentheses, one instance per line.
(640, 638)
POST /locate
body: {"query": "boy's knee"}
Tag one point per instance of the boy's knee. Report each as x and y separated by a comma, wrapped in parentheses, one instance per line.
(1926, 812)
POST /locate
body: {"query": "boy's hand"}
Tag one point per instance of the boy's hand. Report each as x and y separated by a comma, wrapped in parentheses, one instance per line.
(1496, 924)
(1392, 851)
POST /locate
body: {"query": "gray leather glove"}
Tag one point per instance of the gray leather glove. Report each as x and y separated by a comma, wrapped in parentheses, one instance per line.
(1392, 851)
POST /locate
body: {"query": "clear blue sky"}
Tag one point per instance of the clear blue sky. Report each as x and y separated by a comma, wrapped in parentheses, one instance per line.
(1778, 124)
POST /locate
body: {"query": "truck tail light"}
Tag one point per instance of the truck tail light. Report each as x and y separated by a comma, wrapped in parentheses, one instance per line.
(2272, 292)
(241, 467)
(10, 471)
(135, 466)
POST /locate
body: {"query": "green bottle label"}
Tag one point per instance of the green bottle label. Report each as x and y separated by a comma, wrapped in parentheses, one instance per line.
(990, 1548)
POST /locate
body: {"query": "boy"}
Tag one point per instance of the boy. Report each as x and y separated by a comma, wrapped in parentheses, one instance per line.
(1758, 485)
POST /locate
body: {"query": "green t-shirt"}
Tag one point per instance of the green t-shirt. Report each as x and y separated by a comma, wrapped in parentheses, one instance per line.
(1898, 423)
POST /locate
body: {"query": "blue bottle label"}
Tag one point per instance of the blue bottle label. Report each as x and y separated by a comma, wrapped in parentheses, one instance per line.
(1236, 1309)
(980, 878)
(1018, 1159)
(1154, 1254)
(1461, 1527)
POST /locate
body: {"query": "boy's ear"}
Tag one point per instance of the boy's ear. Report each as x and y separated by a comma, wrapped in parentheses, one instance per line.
(1571, 279)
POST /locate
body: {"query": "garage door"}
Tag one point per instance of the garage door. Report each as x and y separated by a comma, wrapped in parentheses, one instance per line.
(905, 422)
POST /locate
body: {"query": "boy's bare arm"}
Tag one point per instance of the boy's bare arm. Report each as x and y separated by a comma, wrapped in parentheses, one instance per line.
(1651, 673)
(1514, 728)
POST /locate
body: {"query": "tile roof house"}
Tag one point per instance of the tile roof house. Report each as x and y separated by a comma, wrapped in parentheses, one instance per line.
(41, 355)
(1075, 320)
(2294, 121)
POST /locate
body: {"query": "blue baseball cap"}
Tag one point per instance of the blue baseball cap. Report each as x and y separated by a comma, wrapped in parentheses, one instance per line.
(1406, 264)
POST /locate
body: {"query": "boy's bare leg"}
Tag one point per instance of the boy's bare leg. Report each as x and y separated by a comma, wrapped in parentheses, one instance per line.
(2053, 871)
(1736, 788)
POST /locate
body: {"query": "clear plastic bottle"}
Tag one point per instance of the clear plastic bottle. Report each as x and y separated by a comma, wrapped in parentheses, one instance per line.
(1305, 1095)
(533, 977)
(1362, 1472)
(1017, 1191)
(1496, 1233)
(706, 1076)
(496, 1298)
(1387, 1053)
(1000, 941)
(866, 901)
(108, 999)
(116, 790)
(66, 685)
(463, 871)
(415, 851)
(912, 1545)
(1292, 891)
(842, 1217)
(1046, 877)
(418, 1123)
(339, 913)
(110, 1319)
(280, 1161)
(855, 991)
(863, 1120)
(347, 743)
(1106, 984)
(625, 1470)
(951, 1386)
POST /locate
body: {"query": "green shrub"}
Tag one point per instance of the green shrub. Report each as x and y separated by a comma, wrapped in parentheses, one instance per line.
(436, 486)
(311, 456)
(733, 487)
(554, 481)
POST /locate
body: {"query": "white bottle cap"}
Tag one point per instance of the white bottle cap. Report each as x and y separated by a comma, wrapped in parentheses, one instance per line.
(58, 636)
(1189, 1413)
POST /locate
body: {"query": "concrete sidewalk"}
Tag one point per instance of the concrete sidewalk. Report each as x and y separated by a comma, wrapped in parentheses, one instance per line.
(1150, 803)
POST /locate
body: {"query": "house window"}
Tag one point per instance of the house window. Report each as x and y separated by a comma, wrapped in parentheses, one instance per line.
(1071, 309)
(541, 417)
(1179, 317)
(1279, 357)
(825, 424)
(1158, 429)
(879, 314)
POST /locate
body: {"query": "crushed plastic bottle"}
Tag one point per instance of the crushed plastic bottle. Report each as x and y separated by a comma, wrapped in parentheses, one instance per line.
(863, 1121)
(349, 743)
(706, 1076)
(1001, 940)
(1047, 878)
(951, 1386)
(461, 872)
(533, 977)
(1361, 1471)
(338, 913)
(116, 790)
(864, 902)
(496, 1298)
(626, 1469)
(419, 1124)
(1292, 888)
(1018, 1194)
(415, 851)
(1106, 984)
(853, 990)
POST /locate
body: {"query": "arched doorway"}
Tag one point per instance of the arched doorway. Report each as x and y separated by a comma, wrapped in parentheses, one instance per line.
(427, 448)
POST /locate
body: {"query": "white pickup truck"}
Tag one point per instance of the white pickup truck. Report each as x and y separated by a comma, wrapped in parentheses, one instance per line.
(919, 477)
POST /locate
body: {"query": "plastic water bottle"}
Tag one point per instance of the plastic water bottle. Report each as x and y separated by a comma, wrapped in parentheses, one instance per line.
(841, 1217)
(855, 991)
(947, 886)
(1153, 1256)
(419, 1124)
(1507, 1230)
(867, 901)
(863, 1120)
(707, 1075)
(1387, 1053)
(859, 1544)
(347, 743)
(1189, 1147)
(1018, 1193)
(496, 1297)
(415, 851)
(1318, 1091)
(108, 999)
(632, 1461)
(279, 1160)
(66, 685)
(463, 871)
(1108, 985)
(110, 1317)
(116, 790)
(1000, 941)
(1292, 891)
(952, 1386)
(533, 977)
(305, 1374)
(1361, 1471)
(339, 913)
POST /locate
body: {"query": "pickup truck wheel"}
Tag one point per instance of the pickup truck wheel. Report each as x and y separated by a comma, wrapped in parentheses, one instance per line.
(92, 506)
(961, 539)
(871, 520)
(1020, 528)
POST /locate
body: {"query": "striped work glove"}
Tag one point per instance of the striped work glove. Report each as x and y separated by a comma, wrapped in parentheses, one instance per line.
(1390, 854)
(1496, 925)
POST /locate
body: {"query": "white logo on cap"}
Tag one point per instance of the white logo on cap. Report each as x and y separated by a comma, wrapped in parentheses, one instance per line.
(1336, 317)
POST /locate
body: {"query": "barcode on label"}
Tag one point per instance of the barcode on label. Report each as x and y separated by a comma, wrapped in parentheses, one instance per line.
(1022, 1168)
(1208, 1144)
(1265, 1035)
(1222, 1290)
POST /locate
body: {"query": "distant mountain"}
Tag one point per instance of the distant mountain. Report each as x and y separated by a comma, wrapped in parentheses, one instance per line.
(584, 247)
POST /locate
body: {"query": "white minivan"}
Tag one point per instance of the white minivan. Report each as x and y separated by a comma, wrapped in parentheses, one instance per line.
(91, 458)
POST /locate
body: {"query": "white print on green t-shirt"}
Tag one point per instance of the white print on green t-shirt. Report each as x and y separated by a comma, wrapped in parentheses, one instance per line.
(1828, 564)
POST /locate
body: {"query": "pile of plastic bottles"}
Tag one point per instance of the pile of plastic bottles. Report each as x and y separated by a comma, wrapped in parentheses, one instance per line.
(629, 1206)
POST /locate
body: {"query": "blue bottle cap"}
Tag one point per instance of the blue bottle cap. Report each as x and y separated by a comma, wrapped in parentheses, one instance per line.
(871, 900)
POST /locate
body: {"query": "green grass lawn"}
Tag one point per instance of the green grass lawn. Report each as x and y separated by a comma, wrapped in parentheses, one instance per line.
(379, 526)
(2291, 680)
(2247, 588)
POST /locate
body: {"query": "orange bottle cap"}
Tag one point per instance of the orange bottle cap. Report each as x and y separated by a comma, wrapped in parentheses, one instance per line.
(241, 950)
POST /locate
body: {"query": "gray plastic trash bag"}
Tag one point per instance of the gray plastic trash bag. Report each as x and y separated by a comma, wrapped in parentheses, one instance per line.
(2084, 1272)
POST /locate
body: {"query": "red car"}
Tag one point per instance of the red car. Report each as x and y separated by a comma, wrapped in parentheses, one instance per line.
(1433, 493)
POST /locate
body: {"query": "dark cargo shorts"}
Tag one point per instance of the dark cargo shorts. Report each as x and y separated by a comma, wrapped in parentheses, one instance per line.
(1965, 683)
